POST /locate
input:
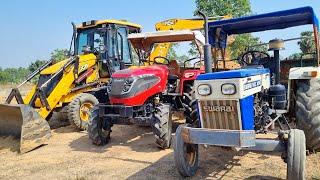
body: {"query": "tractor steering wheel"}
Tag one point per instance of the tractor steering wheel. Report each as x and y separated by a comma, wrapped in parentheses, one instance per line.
(188, 60)
(250, 58)
(160, 57)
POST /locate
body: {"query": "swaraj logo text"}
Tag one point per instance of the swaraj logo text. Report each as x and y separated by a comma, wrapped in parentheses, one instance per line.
(218, 108)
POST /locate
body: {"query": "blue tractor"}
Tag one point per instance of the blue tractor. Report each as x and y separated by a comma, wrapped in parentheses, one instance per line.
(233, 106)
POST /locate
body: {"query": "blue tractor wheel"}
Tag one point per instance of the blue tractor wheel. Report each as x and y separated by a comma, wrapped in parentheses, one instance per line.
(186, 155)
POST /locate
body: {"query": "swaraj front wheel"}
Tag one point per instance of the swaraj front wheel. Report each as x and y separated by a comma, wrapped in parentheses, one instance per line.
(186, 155)
(296, 155)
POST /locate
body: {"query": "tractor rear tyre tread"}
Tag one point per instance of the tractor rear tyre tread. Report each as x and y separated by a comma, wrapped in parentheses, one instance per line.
(98, 135)
(186, 156)
(190, 104)
(162, 126)
(308, 111)
(74, 109)
(296, 155)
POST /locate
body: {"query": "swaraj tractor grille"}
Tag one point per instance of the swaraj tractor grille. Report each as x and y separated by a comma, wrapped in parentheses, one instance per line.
(220, 114)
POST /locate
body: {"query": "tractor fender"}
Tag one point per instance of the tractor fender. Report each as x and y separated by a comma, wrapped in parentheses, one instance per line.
(188, 76)
(304, 73)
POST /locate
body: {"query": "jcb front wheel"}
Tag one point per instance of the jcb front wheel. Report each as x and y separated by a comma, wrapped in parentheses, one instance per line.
(79, 110)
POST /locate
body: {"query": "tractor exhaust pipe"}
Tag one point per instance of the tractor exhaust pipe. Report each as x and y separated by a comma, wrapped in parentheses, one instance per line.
(207, 46)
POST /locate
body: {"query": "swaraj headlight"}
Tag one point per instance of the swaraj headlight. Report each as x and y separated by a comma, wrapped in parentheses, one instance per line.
(228, 89)
(204, 89)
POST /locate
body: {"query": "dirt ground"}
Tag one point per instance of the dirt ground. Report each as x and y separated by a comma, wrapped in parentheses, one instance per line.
(131, 154)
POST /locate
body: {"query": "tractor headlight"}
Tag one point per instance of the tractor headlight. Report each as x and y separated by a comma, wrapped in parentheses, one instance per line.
(204, 90)
(127, 84)
(109, 85)
(228, 89)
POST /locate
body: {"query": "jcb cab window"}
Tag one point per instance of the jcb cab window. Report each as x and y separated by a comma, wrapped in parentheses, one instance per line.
(88, 38)
(123, 41)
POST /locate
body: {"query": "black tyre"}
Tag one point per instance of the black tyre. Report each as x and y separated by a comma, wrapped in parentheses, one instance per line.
(162, 126)
(308, 111)
(79, 110)
(190, 104)
(99, 130)
(186, 156)
(296, 155)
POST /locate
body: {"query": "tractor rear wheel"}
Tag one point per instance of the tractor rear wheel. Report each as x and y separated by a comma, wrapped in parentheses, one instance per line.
(186, 156)
(99, 130)
(296, 155)
(162, 126)
(190, 104)
(308, 111)
(79, 110)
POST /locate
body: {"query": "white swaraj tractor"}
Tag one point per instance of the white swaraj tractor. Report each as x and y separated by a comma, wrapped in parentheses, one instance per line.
(235, 105)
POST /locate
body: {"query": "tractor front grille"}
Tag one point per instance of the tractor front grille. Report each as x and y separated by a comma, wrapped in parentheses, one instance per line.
(220, 114)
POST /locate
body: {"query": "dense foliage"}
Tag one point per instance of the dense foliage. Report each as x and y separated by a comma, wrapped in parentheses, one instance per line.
(16, 75)
(235, 8)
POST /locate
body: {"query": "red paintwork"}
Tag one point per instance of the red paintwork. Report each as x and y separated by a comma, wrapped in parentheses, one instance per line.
(160, 71)
(196, 73)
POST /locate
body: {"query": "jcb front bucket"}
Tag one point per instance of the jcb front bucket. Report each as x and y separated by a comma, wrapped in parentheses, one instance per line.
(25, 123)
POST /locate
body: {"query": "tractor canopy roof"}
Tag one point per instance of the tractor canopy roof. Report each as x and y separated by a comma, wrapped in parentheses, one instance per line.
(262, 22)
(146, 40)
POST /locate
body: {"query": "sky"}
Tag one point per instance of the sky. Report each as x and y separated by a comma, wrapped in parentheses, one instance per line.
(32, 29)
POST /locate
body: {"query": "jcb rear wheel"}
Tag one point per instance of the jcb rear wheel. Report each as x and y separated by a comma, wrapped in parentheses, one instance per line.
(162, 126)
(296, 155)
(79, 110)
(99, 130)
(308, 111)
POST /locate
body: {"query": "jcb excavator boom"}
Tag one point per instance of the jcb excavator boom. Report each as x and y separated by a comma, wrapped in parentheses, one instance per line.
(162, 49)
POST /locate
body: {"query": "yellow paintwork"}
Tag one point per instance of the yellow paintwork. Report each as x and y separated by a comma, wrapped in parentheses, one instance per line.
(112, 21)
(61, 93)
(84, 111)
(162, 49)
(54, 68)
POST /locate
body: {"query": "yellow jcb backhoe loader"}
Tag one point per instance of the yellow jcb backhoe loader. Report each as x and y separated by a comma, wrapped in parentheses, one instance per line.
(72, 86)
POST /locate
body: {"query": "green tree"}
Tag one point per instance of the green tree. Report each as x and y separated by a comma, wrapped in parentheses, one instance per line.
(172, 54)
(307, 44)
(59, 55)
(235, 8)
(36, 64)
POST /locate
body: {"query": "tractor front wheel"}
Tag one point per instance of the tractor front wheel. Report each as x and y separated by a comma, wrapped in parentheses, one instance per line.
(186, 156)
(162, 125)
(99, 129)
(296, 155)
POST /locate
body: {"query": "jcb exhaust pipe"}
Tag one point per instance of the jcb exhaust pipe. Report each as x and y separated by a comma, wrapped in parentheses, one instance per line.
(207, 46)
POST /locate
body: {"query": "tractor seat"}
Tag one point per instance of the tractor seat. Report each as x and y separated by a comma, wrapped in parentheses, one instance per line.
(174, 68)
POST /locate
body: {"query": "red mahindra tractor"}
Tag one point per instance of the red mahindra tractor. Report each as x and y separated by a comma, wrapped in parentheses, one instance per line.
(146, 95)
